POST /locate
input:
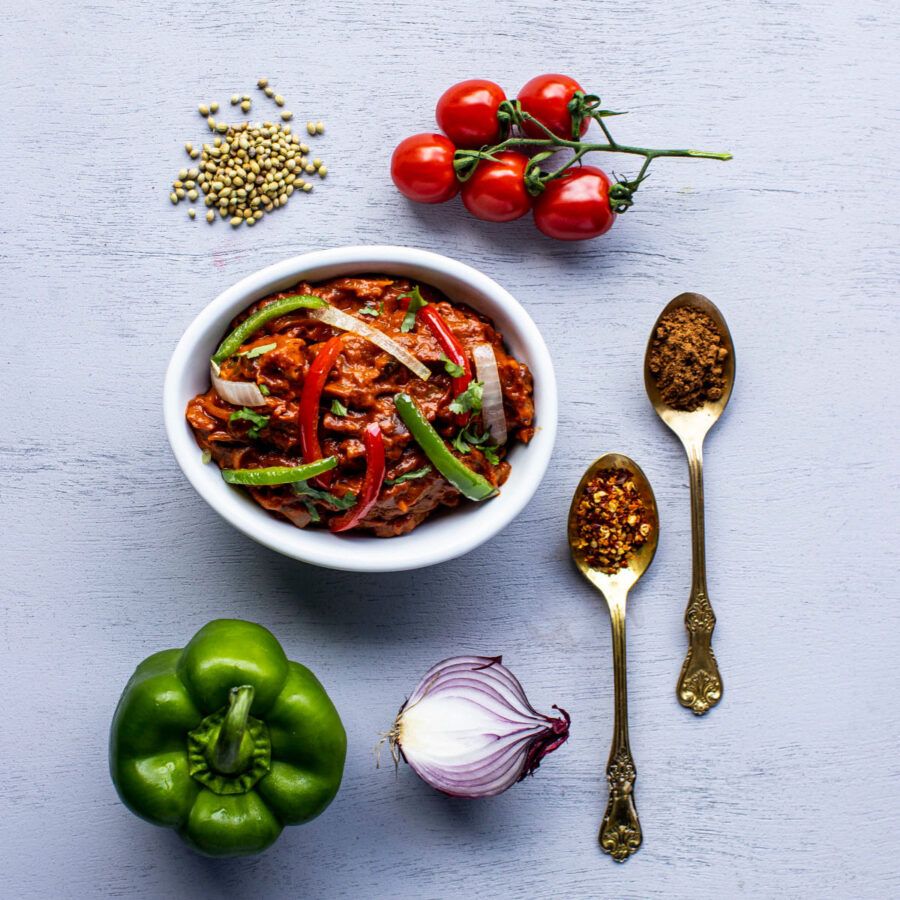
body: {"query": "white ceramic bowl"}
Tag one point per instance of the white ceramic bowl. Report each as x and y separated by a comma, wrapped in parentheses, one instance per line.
(445, 535)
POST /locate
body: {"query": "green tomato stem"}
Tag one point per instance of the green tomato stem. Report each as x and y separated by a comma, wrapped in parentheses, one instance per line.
(225, 757)
(465, 161)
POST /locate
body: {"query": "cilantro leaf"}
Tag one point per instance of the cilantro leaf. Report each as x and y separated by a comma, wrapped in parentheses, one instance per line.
(476, 440)
(469, 400)
(311, 509)
(259, 422)
(371, 311)
(490, 454)
(303, 489)
(459, 442)
(465, 441)
(450, 367)
(409, 476)
(416, 302)
(264, 390)
(258, 351)
(338, 408)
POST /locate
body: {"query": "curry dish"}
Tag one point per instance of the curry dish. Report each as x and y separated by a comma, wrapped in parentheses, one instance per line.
(403, 446)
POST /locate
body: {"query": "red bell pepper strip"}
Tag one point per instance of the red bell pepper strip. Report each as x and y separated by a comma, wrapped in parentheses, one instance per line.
(309, 403)
(375, 469)
(453, 350)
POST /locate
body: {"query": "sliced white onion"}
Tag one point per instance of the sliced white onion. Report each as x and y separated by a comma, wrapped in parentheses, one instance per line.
(240, 393)
(469, 731)
(330, 315)
(492, 396)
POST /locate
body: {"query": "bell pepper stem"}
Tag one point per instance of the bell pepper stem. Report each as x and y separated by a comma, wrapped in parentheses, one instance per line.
(226, 752)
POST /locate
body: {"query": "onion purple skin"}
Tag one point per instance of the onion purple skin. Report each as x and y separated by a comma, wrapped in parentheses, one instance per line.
(490, 686)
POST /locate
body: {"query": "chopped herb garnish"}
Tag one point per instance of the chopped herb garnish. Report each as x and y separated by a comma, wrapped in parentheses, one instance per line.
(303, 489)
(259, 422)
(264, 390)
(371, 311)
(410, 476)
(311, 509)
(338, 408)
(258, 351)
(469, 400)
(205, 456)
(465, 440)
(416, 302)
(450, 367)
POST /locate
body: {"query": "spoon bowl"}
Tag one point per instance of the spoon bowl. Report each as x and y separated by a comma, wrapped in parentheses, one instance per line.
(621, 582)
(620, 833)
(695, 424)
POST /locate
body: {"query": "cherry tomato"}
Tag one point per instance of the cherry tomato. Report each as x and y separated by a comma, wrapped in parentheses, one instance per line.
(467, 113)
(546, 97)
(576, 206)
(422, 168)
(496, 192)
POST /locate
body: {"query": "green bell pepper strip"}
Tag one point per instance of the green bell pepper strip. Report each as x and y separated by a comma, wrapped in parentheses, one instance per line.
(233, 342)
(226, 741)
(279, 474)
(470, 484)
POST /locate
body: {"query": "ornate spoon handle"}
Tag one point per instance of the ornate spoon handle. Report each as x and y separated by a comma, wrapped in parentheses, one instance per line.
(700, 684)
(620, 833)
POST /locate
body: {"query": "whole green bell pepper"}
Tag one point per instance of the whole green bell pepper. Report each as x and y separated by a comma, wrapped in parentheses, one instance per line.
(226, 741)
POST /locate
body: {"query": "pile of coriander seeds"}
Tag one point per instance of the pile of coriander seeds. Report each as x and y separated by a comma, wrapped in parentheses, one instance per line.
(249, 169)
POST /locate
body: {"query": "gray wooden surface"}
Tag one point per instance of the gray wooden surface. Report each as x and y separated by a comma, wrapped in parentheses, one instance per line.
(791, 787)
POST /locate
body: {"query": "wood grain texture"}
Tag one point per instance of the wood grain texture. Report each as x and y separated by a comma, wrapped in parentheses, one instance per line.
(791, 787)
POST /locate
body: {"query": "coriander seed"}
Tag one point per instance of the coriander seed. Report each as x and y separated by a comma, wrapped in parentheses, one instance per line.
(245, 106)
(311, 127)
(320, 128)
(192, 213)
(204, 109)
(214, 107)
(263, 82)
(287, 116)
(210, 217)
(279, 100)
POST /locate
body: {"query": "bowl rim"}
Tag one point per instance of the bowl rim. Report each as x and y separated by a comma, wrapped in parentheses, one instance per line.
(302, 544)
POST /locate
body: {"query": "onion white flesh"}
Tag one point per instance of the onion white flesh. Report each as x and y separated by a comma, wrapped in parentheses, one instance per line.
(337, 318)
(469, 731)
(240, 393)
(492, 395)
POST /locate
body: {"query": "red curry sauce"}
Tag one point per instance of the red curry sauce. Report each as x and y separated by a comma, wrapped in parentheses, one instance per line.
(365, 380)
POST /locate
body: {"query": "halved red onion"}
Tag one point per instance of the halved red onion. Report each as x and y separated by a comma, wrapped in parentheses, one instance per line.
(337, 318)
(492, 396)
(240, 393)
(469, 731)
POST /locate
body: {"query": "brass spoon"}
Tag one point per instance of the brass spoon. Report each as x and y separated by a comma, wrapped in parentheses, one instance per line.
(620, 833)
(700, 684)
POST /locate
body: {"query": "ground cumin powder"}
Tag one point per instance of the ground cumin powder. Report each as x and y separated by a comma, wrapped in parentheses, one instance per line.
(687, 358)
